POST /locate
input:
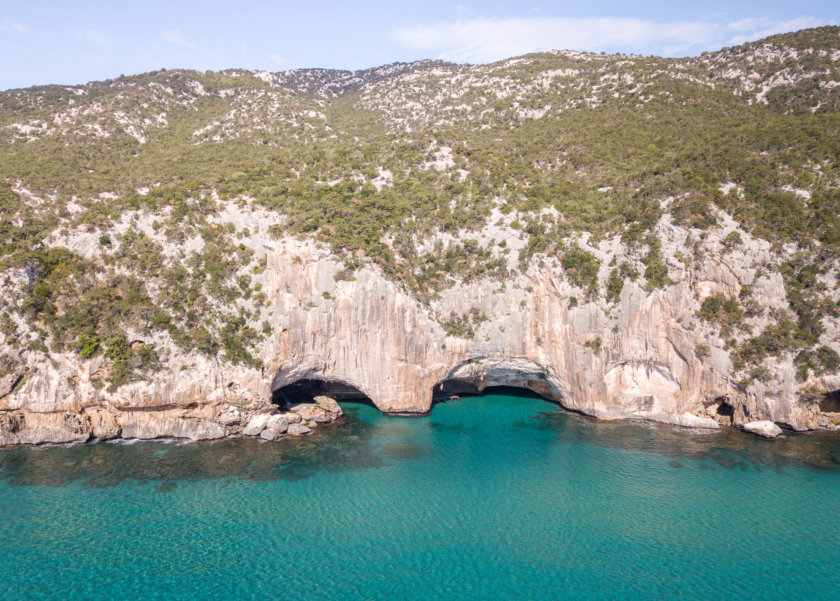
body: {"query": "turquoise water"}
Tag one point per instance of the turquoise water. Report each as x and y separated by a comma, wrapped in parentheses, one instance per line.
(492, 497)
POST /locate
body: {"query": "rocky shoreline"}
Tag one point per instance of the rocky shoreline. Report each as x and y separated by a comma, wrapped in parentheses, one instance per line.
(216, 422)
(189, 423)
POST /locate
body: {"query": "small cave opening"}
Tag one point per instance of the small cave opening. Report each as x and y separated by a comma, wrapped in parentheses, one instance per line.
(725, 410)
(304, 391)
(830, 402)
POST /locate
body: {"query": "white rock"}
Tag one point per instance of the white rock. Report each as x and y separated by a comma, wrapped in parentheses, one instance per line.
(278, 423)
(690, 420)
(256, 425)
(764, 428)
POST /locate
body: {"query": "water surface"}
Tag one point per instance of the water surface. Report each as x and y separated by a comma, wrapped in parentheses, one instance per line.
(492, 497)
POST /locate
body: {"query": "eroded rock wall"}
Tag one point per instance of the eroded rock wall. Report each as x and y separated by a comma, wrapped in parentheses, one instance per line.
(635, 358)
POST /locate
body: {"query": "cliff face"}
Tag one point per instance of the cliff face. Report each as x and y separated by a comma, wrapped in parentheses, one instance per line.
(634, 358)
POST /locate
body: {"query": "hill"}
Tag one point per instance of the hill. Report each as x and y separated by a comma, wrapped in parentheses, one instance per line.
(629, 235)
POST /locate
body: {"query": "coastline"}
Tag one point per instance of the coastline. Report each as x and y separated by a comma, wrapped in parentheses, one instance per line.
(192, 424)
(268, 422)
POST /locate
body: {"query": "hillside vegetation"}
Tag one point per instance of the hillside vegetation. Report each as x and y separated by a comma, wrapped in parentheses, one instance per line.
(403, 167)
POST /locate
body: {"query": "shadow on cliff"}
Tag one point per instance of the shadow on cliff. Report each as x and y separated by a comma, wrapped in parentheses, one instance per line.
(304, 391)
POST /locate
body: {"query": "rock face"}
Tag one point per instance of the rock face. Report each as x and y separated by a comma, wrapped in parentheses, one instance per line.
(764, 428)
(633, 359)
(423, 263)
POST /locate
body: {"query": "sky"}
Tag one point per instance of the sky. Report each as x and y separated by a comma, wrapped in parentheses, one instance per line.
(87, 40)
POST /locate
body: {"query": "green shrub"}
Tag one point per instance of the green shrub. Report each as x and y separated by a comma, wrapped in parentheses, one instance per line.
(615, 284)
(656, 271)
(723, 311)
(733, 239)
(582, 268)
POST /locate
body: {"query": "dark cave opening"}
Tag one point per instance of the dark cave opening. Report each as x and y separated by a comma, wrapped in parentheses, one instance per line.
(304, 391)
(453, 389)
(449, 388)
(830, 403)
(725, 410)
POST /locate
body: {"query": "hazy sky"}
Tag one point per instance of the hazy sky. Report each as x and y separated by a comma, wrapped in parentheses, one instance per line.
(84, 40)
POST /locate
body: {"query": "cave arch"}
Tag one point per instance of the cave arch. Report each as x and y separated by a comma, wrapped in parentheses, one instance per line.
(479, 374)
(304, 391)
(293, 387)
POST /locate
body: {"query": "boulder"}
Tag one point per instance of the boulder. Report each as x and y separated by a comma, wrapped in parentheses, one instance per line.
(278, 423)
(269, 434)
(323, 411)
(764, 428)
(256, 425)
(298, 430)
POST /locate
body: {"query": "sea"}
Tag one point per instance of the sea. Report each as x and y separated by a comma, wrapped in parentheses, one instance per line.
(497, 496)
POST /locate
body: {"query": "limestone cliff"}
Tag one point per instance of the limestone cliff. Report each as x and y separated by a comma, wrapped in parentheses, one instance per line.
(635, 358)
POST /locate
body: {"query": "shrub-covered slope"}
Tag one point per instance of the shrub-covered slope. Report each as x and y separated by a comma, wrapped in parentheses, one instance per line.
(121, 238)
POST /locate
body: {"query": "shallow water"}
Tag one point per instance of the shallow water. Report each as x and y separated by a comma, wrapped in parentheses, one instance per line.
(492, 497)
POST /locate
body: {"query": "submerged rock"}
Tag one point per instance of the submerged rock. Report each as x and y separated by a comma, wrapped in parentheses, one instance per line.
(764, 428)
(298, 430)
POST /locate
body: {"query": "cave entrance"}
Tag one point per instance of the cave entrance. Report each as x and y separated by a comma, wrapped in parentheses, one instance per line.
(447, 390)
(830, 403)
(504, 375)
(725, 409)
(724, 412)
(304, 391)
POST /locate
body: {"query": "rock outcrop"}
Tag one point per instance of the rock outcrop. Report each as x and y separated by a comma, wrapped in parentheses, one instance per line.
(635, 359)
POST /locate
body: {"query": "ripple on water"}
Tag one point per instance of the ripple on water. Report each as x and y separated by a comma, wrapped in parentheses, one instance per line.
(493, 497)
